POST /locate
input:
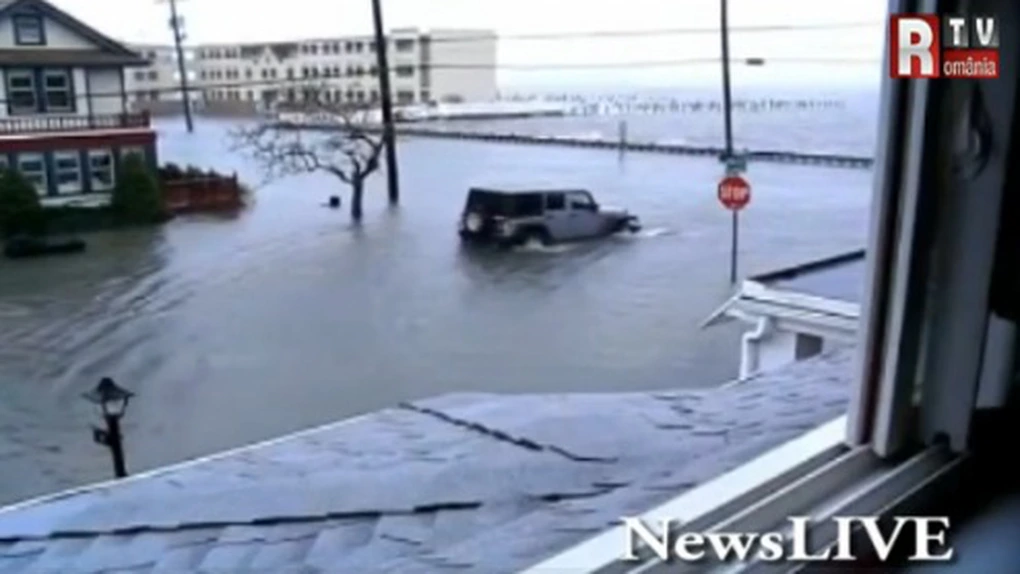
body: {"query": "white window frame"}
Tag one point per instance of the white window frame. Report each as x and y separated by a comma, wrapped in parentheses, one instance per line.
(35, 24)
(22, 73)
(79, 184)
(40, 179)
(923, 358)
(67, 90)
(96, 183)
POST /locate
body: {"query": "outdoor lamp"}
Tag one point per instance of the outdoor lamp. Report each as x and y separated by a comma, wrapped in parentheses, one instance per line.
(112, 401)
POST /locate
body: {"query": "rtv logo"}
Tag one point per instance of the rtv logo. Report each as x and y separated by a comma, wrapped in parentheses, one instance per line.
(930, 46)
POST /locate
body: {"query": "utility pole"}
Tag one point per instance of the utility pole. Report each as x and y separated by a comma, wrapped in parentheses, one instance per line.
(389, 139)
(176, 25)
(724, 34)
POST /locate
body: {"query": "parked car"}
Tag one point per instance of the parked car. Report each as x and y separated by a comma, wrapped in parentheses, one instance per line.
(510, 218)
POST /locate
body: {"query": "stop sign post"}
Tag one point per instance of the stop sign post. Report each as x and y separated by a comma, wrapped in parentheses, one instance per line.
(734, 194)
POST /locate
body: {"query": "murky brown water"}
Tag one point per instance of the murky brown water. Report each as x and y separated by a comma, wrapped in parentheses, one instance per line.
(234, 330)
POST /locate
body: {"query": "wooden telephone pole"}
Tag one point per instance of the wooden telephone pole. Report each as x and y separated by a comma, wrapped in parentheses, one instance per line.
(389, 137)
(177, 26)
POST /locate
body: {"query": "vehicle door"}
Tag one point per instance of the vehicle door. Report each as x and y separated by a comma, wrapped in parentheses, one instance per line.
(557, 218)
(583, 214)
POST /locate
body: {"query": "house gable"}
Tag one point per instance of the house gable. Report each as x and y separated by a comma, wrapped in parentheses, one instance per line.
(65, 38)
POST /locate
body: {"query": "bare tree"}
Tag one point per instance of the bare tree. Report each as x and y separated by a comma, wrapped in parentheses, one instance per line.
(349, 148)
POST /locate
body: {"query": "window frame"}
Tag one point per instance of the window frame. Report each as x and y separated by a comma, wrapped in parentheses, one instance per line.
(931, 255)
(42, 187)
(94, 184)
(66, 74)
(57, 172)
(36, 20)
(15, 73)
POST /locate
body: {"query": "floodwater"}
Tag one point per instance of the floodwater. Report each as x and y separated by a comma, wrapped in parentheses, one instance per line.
(232, 330)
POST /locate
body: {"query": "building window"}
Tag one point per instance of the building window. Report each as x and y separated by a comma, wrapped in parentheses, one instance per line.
(405, 97)
(21, 94)
(33, 168)
(374, 95)
(4, 162)
(28, 30)
(247, 74)
(67, 169)
(58, 96)
(139, 75)
(404, 71)
(359, 96)
(272, 73)
(101, 169)
(153, 75)
(404, 45)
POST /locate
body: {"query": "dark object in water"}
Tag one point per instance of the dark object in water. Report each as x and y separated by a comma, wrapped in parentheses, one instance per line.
(25, 247)
(334, 201)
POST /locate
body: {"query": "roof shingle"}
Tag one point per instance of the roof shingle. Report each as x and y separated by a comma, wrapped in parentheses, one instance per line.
(476, 483)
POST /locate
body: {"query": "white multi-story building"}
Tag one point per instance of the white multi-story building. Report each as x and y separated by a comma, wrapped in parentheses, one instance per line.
(156, 87)
(437, 66)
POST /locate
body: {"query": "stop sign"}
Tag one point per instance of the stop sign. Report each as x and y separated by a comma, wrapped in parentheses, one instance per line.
(734, 192)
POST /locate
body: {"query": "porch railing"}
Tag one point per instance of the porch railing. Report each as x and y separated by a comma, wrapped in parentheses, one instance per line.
(44, 124)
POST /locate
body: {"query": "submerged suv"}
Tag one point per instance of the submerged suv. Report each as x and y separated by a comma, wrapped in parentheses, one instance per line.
(510, 218)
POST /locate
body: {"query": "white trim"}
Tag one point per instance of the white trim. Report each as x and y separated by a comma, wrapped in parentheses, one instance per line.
(89, 488)
(761, 292)
(751, 311)
(705, 505)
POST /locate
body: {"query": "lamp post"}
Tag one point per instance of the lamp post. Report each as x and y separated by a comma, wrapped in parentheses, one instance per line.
(112, 401)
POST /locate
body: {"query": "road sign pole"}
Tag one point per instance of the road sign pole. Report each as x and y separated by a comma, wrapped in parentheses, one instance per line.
(733, 247)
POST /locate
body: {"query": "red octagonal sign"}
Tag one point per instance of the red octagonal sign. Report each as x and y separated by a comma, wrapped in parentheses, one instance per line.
(734, 193)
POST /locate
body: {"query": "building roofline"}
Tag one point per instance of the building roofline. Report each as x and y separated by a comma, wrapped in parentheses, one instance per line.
(809, 267)
(66, 19)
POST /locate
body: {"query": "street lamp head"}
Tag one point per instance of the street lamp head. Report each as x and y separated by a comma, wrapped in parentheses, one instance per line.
(111, 398)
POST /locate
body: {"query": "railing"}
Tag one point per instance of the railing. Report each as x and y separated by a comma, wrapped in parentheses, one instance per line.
(43, 124)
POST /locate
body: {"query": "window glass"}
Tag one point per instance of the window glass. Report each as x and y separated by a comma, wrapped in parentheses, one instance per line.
(21, 91)
(555, 201)
(28, 30)
(33, 167)
(101, 169)
(58, 91)
(67, 171)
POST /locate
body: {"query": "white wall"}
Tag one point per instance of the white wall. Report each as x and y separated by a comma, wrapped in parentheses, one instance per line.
(105, 87)
(777, 350)
(474, 49)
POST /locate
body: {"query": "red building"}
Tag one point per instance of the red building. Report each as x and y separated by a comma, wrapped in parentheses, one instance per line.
(64, 119)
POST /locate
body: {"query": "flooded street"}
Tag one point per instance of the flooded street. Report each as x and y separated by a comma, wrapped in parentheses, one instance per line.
(240, 329)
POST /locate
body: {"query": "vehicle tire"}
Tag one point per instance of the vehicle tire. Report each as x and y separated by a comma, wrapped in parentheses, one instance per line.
(535, 235)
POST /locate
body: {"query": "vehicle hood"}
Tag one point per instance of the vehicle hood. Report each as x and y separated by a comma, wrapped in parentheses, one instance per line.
(612, 210)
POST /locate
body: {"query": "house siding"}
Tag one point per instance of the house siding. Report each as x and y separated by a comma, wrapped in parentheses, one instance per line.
(57, 35)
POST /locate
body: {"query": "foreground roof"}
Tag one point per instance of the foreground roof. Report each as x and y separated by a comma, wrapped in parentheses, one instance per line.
(840, 277)
(468, 482)
(822, 294)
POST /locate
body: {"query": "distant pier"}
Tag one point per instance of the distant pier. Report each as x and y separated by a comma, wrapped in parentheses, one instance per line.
(771, 156)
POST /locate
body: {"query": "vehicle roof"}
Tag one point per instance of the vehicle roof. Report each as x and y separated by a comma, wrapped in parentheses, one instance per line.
(525, 190)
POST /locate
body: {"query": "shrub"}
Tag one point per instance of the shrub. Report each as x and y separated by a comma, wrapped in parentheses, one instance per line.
(20, 209)
(171, 171)
(136, 197)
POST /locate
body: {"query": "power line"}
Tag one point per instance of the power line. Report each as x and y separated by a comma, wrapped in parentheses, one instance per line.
(591, 34)
(316, 82)
(819, 26)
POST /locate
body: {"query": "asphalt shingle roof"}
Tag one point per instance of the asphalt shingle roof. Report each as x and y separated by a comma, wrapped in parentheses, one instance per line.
(467, 482)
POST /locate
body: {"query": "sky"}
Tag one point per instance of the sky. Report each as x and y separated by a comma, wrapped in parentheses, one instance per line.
(853, 55)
